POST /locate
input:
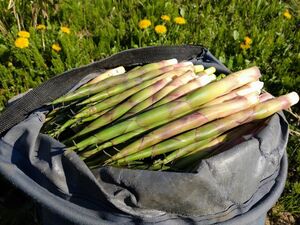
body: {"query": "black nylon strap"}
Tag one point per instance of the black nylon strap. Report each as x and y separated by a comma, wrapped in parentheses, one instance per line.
(61, 84)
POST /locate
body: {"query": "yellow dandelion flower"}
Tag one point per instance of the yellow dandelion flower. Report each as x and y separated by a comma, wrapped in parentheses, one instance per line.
(160, 29)
(22, 42)
(248, 40)
(56, 47)
(179, 20)
(23, 34)
(165, 18)
(287, 14)
(143, 24)
(65, 30)
(244, 46)
(41, 27)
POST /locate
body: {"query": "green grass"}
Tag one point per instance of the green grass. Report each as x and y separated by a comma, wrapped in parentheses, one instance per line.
(100, 28)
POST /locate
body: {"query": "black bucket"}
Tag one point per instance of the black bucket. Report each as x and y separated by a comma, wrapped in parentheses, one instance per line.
(237, 186)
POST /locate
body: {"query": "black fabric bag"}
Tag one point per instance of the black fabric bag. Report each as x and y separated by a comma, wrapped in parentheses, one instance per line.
(237, 185)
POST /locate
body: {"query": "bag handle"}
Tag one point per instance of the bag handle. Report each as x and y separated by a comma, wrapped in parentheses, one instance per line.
(61, 84)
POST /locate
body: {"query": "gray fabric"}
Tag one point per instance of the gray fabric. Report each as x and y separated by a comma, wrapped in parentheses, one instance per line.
(223, 186)
(84, 80)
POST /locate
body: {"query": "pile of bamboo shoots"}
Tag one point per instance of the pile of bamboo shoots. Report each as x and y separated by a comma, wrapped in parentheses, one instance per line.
(166, 115)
